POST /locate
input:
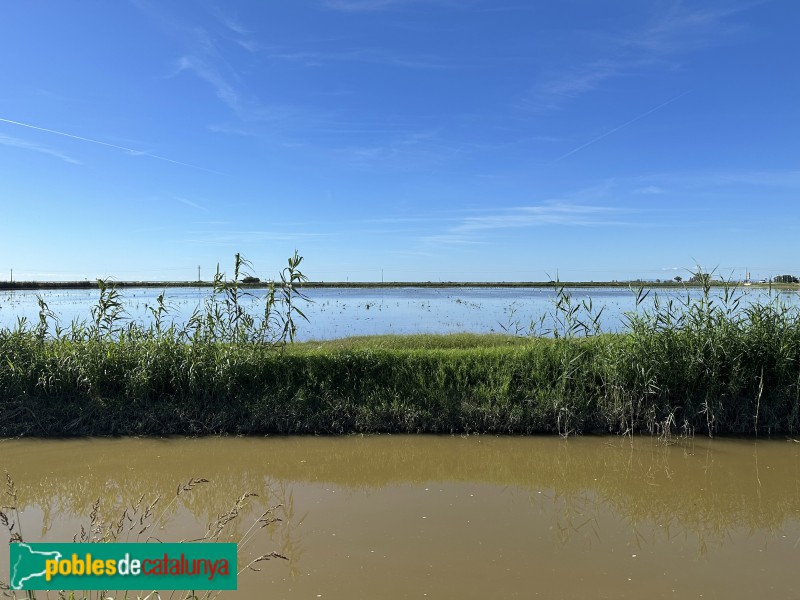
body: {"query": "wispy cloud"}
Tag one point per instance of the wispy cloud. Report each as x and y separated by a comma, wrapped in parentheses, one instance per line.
(235, 25)
(649, 190)
(26, 145)
(188, 202)
(130, 151)
(190, 35)
(680, 29)
(229, 88)
(210, 74)
(403, 150)
(555, 213)
(668, 36)
(205, 47)
(685, 181)
(787, 178)
(363, 5)
(249, 45)
(232, 130)
(474, 229)
(241, 34)
(579, 80)
(368, 56)
(375, 5)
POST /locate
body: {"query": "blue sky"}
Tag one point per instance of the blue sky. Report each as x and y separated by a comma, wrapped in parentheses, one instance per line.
(421, 139)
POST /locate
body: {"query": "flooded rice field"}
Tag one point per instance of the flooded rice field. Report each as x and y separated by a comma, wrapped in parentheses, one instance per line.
(448, 517)
(336, 313)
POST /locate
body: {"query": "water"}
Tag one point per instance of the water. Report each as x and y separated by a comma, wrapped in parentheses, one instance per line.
(336, 313)
(451, 517)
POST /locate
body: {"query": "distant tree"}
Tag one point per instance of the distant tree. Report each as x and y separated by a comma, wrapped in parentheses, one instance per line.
(785, 279)
(700, 277)
(678, 278)
(251, 279)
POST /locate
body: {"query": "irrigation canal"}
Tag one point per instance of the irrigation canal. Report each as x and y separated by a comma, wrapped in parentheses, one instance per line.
(449, 517)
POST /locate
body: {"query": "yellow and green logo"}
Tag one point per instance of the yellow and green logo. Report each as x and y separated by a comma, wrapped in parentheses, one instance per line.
(122, 566)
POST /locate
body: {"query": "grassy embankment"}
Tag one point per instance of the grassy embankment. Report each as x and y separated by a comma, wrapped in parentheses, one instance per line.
(706, 366)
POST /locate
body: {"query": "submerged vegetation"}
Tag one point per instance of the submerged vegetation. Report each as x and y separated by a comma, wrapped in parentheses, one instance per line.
(706, 366)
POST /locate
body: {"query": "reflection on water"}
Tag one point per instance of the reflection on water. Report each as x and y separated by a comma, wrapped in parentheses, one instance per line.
(401, 516)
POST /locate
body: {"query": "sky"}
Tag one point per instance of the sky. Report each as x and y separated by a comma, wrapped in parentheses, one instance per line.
(403, 140)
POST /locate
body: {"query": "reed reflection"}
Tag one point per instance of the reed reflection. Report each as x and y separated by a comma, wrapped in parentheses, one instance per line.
(697, 487)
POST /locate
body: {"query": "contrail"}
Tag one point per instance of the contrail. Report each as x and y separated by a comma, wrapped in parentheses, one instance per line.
(608, 133)
(130, 150)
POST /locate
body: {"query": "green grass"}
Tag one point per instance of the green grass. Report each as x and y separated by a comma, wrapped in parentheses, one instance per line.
(745, 383)
(412, 342)
(704, 365)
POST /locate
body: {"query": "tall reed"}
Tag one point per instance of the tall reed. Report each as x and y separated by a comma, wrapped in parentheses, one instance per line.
(714, 365)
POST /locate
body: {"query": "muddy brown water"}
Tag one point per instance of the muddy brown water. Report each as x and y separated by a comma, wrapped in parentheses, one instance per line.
(449, 517)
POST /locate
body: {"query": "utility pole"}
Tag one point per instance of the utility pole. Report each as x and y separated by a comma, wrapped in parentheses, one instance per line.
(198, 273)
(12, 275)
